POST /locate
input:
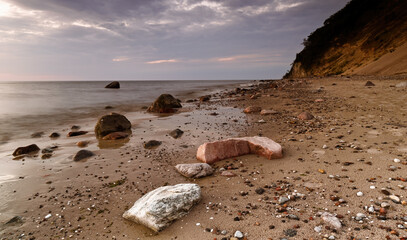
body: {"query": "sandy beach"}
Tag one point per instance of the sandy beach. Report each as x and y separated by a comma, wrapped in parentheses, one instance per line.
(343, 161)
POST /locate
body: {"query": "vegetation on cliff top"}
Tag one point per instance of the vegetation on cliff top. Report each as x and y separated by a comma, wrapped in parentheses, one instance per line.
(361, 32)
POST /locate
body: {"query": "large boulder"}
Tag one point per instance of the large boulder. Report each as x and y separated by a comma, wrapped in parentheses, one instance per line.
(165, 103)
(233, 147)
(33, 148)
(160, 207)
(112, 123)
(194, 170)
(114, 84)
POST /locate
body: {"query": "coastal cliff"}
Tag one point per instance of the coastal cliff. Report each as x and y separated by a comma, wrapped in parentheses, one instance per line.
(366, 37)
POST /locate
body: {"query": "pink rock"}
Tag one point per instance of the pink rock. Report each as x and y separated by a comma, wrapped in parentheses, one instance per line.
(227, 174)
(268, 112)
(305, 116)
(252, 109)
(319, 100)
(233, 147)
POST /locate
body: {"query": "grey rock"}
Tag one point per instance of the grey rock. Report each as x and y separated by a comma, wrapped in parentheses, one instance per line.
(331, 220)
(37, 134)
(82, 154)
(33, 148)
(15, 220)
(152, 144)
(238, 234)
(112, 123)
(176, 133)
(54, 135)
(283, 200)
(160, 207)
(194, 170)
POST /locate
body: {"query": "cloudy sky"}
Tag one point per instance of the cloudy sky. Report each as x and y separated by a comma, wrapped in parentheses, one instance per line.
(154, 39)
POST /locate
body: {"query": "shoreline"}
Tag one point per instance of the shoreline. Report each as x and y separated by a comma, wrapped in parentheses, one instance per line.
(347, 148)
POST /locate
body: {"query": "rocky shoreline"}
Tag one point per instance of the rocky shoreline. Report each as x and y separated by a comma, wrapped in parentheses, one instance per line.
(342, 175)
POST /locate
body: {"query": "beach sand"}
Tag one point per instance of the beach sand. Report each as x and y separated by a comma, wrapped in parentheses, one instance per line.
(349, 147)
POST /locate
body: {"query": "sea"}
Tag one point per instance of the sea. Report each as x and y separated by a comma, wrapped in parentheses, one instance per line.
(28, 107)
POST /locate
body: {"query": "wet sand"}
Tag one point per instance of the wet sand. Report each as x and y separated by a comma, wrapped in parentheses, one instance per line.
(349, 147)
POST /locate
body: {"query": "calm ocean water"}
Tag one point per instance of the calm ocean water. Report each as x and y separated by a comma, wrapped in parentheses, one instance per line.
(26, 107)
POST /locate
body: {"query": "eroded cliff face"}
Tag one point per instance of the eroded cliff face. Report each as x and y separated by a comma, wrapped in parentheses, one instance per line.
(362, 33)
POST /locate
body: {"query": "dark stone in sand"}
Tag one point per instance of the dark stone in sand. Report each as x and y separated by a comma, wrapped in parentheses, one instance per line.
(114, 84)
(46, 155)
(82, 154)
(54, 135)
(205, 98)
(305, 116)
(152, 144)
(37, 134)
(112, 123)
(77, 133)
(15, 220)
(165, 103)
(369, 84)
(47, 150)
(75, 127)
(108, 107)
(115, 136)
(176, 133)
(26, 150)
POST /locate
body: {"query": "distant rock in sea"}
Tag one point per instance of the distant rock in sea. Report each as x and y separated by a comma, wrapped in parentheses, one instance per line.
(114, 84)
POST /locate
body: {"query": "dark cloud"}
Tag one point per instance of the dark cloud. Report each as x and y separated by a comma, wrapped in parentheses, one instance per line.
(117, 38)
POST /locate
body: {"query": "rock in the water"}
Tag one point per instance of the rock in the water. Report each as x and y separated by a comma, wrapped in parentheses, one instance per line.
(75, 127)
(165, 103)
(112, 123)
(82, 144)
(176, 133)
(194, 170)
(160, 207)
(252, 109)
(205, 98)
(76, 133)
(114, 84)
(82, 154)
(331, 220)
(37, 134)
(228, 174)
(115, 136)
(369, 84)
(305, 116)
(33, 148)
(152, 144)
(46, 156)
(54, 135)
(233, 147)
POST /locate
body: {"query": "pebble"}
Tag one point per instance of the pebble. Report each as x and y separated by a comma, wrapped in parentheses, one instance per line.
(224, 232)
(385, 205)
(48, 216)
(360, 216)
(238, 234)
(396, 160)
(394, 198)
(371, 209)
(283, 200)
(359, 194)
(325, 147)
(318, 229)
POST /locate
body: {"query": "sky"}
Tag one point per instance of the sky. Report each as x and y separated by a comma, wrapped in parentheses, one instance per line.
(155, 39)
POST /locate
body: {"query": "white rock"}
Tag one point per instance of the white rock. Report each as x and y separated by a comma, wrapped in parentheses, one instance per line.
(238, 234)
(158, 208)
(331, 220)
(396, 160)
(48, 216)
(401, 85)
(360, 216)
(394, 198)
(372, 187)
(359, 194)
(325, 147)
(371, 209)
(318, 229)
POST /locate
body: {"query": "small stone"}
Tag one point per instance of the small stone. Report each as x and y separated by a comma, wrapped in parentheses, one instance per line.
(290, 232)
(82, 154)
(325, 146)
(385, 205)
(259, 190)
(76, 133)
(293, 217)
(394, 198)
(359, 194)
(176, 133)
(224, 232)
(48, 216)
(283, 200)
(371, 209)
(15, 220)
(360, 216)
(238, 234)
(318, 229)
(82, 144)
(305, 116)
(228, 174)
(321, 171)
(331, 220)
(54, 135)
(396, 160)
(152, 144)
